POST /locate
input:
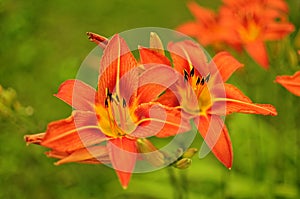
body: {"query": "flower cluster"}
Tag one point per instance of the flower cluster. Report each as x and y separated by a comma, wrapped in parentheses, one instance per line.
(138, 98)
(240, 24)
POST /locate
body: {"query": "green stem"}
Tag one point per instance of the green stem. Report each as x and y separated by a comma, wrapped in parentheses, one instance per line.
(184, 182)
(180, 187)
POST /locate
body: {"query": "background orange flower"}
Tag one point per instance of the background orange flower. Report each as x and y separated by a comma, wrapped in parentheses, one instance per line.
(291, 83)
(241, 24)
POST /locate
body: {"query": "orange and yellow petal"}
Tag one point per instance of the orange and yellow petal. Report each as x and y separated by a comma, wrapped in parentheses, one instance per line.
(116, 61)
(187, 55)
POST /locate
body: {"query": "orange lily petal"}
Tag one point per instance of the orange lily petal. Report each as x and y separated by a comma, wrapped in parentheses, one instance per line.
(123, 154)
(160, 121)
(236, 101)
(62, 155)
(98, 152)
(188, 54)
(56, 154)
(258, 51)
(152, 85)
(116, 61)
(174, 117)
(291, 83)
(278, 4)
(75, 132)
(226, 64)
(203, 15)
(129, 85)
(168, 99)
(149, 56)
(275, 31)
(77, 94)
(189, 28)
(206, 28)
(215, 134)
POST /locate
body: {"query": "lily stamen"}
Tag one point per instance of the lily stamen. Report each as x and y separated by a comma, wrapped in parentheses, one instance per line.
(207, 77)
(106, 103)
(192, 72)
(124, 103)
(186, 75)
(198, 81)
(202, 81)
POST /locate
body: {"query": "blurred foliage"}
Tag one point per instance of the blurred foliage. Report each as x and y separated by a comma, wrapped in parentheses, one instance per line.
(10, 107)
(43, 44)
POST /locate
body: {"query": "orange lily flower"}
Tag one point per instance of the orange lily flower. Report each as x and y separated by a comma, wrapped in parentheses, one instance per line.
(291, 83)
(206, 83)
(206, 29)
(251, 23)
(106, 125)
(241, 24)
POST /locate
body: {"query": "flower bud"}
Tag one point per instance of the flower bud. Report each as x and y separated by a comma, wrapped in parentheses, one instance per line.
(183, 163)
(189, 153)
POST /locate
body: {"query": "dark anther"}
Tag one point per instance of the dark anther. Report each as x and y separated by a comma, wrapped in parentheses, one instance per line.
(108, 94)
(202, 81)
(192, 72)
(110, 97)
(207, 77)
(186, 78)
(186, 75)
(198, 81)
(117, 98)
(124, 103)
(106, 102)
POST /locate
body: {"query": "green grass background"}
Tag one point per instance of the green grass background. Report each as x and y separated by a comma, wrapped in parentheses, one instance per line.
(43, 43)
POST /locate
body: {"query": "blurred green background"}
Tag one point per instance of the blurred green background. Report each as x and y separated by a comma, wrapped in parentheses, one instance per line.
(44, 43)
